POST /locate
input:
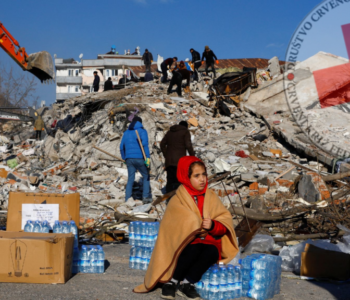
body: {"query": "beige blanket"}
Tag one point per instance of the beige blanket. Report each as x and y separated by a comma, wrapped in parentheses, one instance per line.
(181, 223)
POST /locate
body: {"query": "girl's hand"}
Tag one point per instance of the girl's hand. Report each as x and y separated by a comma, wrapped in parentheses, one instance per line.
(207, 222)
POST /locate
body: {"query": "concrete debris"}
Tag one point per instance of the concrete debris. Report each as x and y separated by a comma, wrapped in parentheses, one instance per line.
(264, 167)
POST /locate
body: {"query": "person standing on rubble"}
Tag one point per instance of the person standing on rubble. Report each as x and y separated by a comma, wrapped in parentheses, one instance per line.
(39, 126)
(209, 56)
(147, 58)
(177, 78)
(131, 152)
(108, 84)
(96, 83)
(165, 65)
(196, 60)
(196, 232)
(174, 145)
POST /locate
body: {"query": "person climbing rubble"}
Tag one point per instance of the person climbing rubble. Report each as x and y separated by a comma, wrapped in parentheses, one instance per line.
(165, 65)
(196, 60)
(96, 83)
(147, 58)
(202, 233)
(177, 78)
(209, 56)
(108, 84)
(131, 152)
(39, 126)
(174, 146)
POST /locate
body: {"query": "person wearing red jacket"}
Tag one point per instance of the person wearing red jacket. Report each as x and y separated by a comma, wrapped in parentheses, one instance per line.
(202, 252)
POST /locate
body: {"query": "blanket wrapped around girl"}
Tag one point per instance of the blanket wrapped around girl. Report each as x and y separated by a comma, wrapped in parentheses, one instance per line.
(196, 232)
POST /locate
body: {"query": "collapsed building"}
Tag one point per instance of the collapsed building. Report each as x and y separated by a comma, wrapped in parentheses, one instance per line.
(263, 168)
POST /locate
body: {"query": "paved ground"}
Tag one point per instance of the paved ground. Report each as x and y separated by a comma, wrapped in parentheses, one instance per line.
(118, 281)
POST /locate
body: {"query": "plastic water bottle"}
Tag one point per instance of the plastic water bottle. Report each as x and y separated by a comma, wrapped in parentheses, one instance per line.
(65, 227)
(132, 227)
(199, 287)
(93, 260)
(132, 258)
(144, 258)
(149, 255)
(222, 281)
(137, 227)
(206, 280)
(143, 234)
(137, 234)
(214, 284)
(231, 288)
(29, 226)
(75, 264)
(132, 233)
(37, 226)
(84, 260)
(138, 260)
(238, 281)
(101, 260)
(57, 228)
(45, 227)
(74, 229)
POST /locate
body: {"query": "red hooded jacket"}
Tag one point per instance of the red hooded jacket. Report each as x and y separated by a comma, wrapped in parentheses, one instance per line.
(217, 229)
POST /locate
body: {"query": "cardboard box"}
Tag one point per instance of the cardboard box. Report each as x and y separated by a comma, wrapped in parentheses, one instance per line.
(35, 257)
(321, 263)
(67, 207)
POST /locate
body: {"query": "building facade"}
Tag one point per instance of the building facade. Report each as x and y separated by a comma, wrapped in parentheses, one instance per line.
(75, 78)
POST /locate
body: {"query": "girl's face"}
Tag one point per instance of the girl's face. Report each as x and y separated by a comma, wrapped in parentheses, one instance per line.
(198, 178)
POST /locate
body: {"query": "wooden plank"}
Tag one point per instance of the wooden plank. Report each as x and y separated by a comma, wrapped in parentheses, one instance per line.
(285, 172)
(243, 233)
(253, 157)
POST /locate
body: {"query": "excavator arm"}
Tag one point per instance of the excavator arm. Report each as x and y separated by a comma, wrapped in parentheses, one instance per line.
(39, 64)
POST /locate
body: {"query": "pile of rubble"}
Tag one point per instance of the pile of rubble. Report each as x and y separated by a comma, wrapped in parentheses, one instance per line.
(255, 171)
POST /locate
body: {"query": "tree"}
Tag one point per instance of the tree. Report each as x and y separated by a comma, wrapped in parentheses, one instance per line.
(16, 88)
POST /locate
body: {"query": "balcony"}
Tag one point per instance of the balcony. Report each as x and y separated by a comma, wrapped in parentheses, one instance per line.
(75, 80)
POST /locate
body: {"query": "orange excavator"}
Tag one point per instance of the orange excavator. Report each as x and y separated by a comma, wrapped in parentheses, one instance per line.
(40, 64)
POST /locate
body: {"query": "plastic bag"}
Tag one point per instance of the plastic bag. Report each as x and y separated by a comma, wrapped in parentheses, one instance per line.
(12, 163)
(260, 243)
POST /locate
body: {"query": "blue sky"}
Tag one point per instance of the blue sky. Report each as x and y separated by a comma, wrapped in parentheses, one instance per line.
(232, 28)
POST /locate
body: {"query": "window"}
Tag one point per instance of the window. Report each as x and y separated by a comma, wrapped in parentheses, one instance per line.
(72, 72)
(110, 73)
(73, 89)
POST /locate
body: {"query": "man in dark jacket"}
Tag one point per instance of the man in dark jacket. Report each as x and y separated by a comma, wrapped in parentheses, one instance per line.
(96, 83)
(131, 152)
(108, 84)
(147, 58)
(209, 60)
(196, 60)
(177, 78)
(174, 146)
(165, 65)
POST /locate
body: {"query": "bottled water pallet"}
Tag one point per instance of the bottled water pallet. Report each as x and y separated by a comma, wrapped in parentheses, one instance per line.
(140, 257)
(58, 227)
(221, 282)
(143, 234)
(89, 259)
(261, 276)
(142, 238)
(258, 276)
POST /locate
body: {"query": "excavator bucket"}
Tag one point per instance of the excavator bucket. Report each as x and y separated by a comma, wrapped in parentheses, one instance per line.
(40, 64)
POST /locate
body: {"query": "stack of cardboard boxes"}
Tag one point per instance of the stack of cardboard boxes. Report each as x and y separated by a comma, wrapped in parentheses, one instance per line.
(37, 257)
